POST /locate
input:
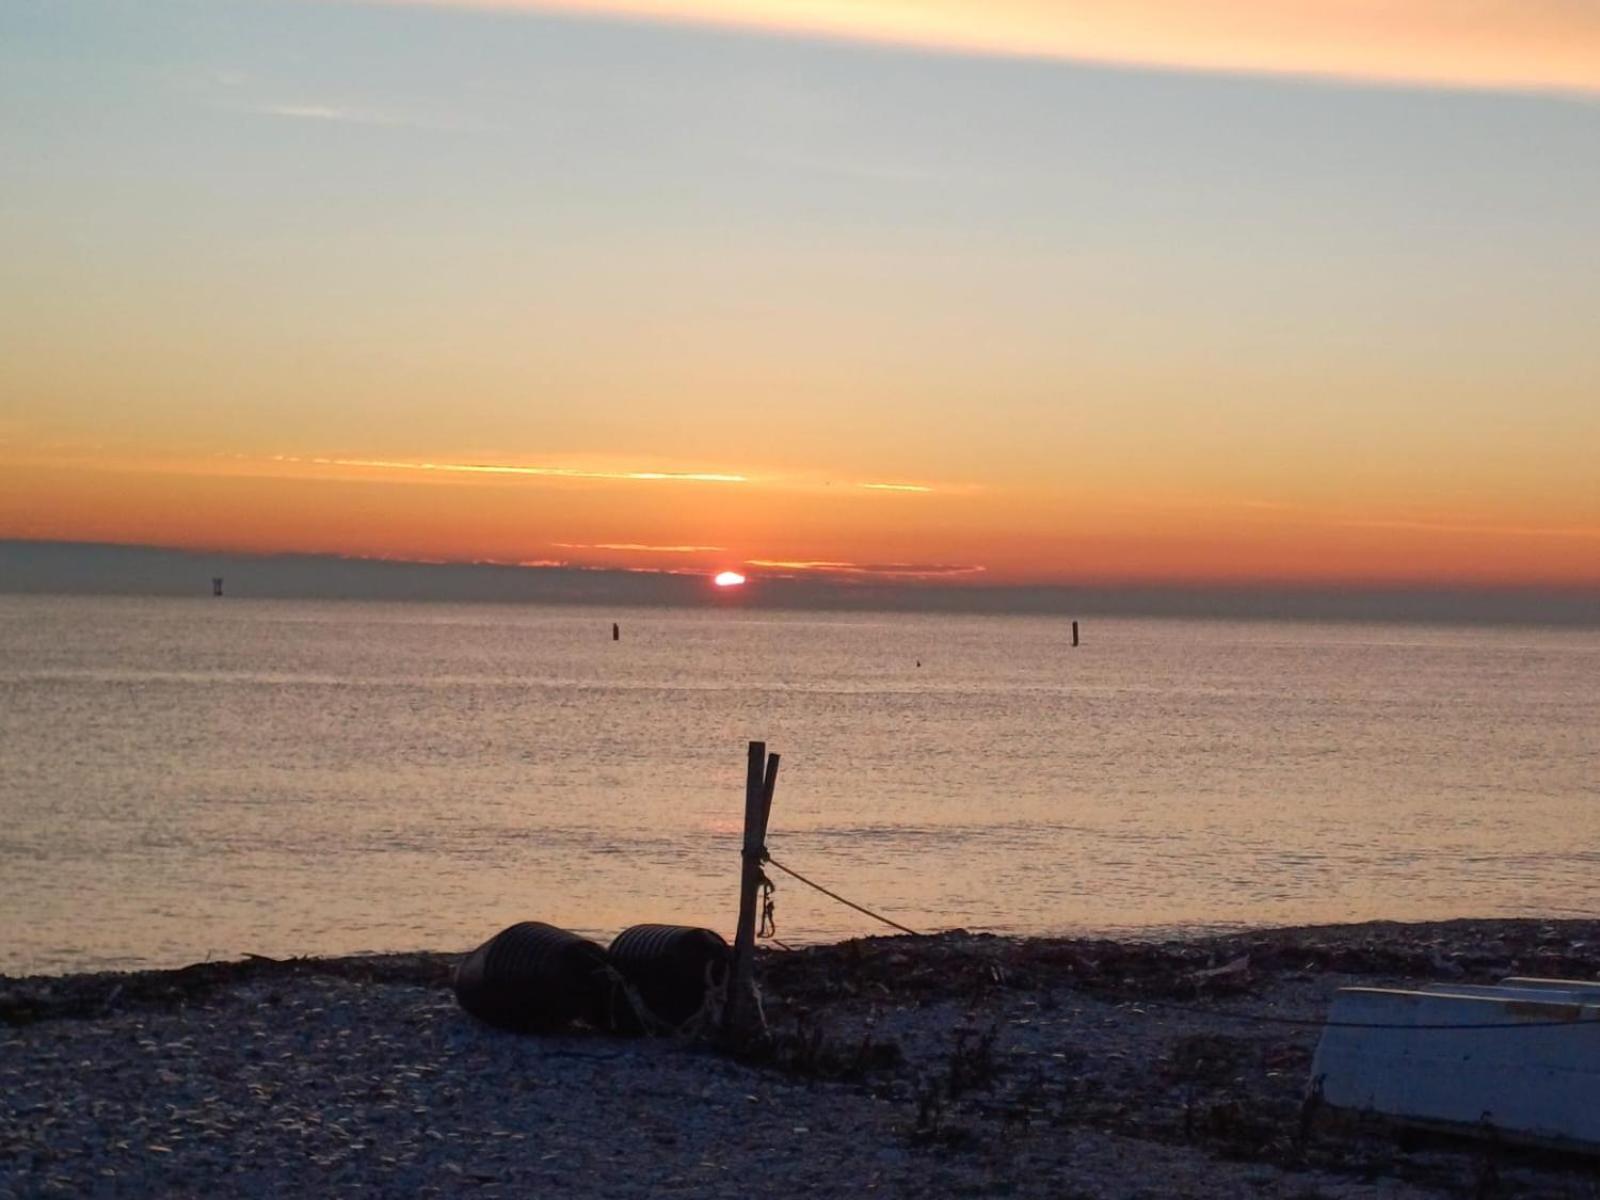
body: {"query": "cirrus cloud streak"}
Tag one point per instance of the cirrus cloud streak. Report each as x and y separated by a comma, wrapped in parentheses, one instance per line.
(1515, 45)
(382, 464)
(637, 547)
(906, 571)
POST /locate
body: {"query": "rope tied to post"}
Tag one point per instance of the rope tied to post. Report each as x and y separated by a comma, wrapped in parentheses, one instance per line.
(860, 908)
(769, 918)
(768, 923)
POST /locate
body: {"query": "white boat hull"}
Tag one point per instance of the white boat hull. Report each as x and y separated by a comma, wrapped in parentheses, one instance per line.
(1519, 1060)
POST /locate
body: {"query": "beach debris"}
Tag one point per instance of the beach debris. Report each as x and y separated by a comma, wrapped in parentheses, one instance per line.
(1513, 1061)
(536, 978)
(1237, 966)
(654, 980)
(275, 1076)
(678, 971)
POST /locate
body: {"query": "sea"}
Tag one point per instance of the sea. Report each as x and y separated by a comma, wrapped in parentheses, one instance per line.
(194, 779)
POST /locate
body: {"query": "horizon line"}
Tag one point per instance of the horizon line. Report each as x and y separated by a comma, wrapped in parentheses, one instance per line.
(849, 583)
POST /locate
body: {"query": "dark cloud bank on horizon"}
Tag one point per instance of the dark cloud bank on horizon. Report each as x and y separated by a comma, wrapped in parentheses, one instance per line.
(98, 569)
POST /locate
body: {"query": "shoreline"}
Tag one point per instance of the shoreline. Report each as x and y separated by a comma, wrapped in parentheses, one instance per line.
(1360, 947)
(945, 1064)
(420, 961)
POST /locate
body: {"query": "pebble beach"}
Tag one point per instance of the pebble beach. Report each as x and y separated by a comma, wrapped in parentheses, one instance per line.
(948, 1065)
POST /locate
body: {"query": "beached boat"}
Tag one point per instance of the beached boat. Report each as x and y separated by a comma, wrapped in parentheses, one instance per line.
(1518, 1060)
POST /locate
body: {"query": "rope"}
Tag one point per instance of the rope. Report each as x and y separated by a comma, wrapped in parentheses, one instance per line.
(769, 927)
(769, 910)
(835, 896)
(649, 1023)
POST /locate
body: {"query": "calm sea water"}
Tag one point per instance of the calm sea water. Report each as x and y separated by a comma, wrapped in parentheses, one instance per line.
(190, 779)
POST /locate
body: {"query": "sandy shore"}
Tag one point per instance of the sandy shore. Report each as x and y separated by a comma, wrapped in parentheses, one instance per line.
(954, 1065)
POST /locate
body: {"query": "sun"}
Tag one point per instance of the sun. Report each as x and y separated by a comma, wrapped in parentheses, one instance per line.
(728, 579)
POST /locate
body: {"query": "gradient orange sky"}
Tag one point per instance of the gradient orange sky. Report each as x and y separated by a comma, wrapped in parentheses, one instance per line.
(1055, 293)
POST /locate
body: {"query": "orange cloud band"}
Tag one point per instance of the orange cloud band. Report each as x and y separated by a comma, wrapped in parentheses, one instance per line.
(638, 547)
(1496, 44)
(512, 469)
(904, 571)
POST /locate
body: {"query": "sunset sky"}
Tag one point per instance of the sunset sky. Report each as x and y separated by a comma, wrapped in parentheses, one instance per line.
(1020, 291)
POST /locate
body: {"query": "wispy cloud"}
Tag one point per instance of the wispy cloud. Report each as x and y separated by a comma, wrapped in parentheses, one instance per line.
(323, 112)
(1581, 532)
(875, 570)
(1278, 512)
(339, 114)
(636, 547)
(514, 469)
(1539, 45)
(643, 475)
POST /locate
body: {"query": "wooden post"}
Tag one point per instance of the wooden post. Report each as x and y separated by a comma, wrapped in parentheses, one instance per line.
(1074, 633)
(761, 778)
(616, 632)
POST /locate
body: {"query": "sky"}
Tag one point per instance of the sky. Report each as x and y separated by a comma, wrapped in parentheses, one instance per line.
(909, 291)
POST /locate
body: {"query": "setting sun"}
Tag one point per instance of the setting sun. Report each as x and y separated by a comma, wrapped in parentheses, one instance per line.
(728, 579)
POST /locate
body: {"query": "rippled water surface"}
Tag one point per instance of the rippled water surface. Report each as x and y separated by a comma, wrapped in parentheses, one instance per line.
(183, 779)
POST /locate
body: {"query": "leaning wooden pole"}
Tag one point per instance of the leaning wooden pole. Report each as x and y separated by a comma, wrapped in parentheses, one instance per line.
(741, 1014)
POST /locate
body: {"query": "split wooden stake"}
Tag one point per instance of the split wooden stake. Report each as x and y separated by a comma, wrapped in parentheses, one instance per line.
(761, 779)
